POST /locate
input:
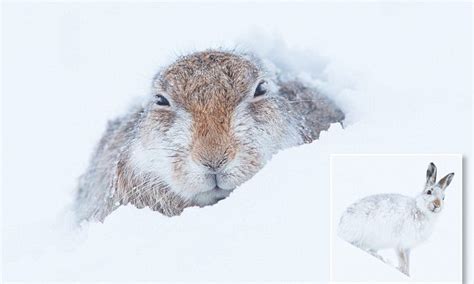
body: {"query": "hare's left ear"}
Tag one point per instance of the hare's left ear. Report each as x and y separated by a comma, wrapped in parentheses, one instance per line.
(444, 182)
(431, 175)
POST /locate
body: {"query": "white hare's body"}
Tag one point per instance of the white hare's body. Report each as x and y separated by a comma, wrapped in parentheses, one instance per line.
(386, 221)
(395, 221)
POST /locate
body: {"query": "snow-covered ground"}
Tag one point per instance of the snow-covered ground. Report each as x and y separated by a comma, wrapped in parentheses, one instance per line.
(402, 72)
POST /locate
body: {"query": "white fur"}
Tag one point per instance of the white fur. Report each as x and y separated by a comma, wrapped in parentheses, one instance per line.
(386, 221)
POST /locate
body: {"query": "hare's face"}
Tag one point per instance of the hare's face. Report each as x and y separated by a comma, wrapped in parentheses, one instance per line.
(213, 123)
(432, 197)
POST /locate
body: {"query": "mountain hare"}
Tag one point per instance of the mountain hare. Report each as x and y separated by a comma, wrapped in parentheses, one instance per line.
(395, 221)
(213, 120)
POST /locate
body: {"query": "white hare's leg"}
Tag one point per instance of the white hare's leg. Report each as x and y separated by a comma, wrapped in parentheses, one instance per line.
(403, 260)
(371, 251)
(375, 253)
(407, 261)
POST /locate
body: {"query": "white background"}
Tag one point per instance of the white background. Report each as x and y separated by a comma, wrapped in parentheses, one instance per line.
(402, 72)
(354, 177)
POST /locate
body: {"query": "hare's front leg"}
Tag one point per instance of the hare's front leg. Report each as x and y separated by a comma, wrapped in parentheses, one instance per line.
(404, 261)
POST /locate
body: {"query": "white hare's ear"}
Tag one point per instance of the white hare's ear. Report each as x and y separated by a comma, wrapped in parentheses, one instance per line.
(444, 182)
(431, 175)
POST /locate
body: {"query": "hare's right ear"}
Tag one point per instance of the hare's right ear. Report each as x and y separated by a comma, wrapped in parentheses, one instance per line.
(431, 175)
(444, 182)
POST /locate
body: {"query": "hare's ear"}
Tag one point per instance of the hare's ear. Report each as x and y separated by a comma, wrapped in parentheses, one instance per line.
(444, 182)
(431, 175)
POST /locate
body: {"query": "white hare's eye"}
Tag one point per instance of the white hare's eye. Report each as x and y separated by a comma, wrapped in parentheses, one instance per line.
(428, 192)
(261, 89)
(161, 100)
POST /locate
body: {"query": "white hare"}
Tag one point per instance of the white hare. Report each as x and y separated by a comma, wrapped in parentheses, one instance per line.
(395, 221)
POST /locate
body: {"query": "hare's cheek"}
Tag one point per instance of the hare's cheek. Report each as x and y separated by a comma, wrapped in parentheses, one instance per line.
(161, 120)
(248, 162)
(264, 113)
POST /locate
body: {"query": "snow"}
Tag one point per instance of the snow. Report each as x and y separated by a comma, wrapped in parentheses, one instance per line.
(402, 74)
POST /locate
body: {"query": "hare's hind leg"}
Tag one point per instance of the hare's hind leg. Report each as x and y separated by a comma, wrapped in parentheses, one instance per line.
(404, 261)
(375, 253)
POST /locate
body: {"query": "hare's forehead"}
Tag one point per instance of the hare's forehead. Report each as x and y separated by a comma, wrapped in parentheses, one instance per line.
(209, 86)
(436, 190)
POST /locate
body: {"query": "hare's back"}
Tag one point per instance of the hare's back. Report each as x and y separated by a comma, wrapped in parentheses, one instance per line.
(374, 222)
(380, 204)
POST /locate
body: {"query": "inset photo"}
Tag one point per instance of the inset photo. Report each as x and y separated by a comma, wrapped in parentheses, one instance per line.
(396, 218)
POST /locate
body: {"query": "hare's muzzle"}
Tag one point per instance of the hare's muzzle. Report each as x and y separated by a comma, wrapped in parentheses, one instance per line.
(213, 149)
(436, 205)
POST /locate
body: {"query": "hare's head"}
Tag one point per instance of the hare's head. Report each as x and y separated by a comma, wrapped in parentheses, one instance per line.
(432, 197)
(212, 122)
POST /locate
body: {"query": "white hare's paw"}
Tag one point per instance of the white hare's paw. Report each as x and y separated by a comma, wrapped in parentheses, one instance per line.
(404, 270)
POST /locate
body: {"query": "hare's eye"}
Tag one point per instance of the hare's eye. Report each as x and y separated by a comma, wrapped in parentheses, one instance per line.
(161, 100)
(428, 192)
(261, 89)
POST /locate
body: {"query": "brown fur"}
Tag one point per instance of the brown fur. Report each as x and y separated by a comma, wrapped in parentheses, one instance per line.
(206, 87)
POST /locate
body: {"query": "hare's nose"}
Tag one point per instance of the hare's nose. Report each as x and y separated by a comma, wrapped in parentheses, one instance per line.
(437, 203)
(215, 165)
(213, 157)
